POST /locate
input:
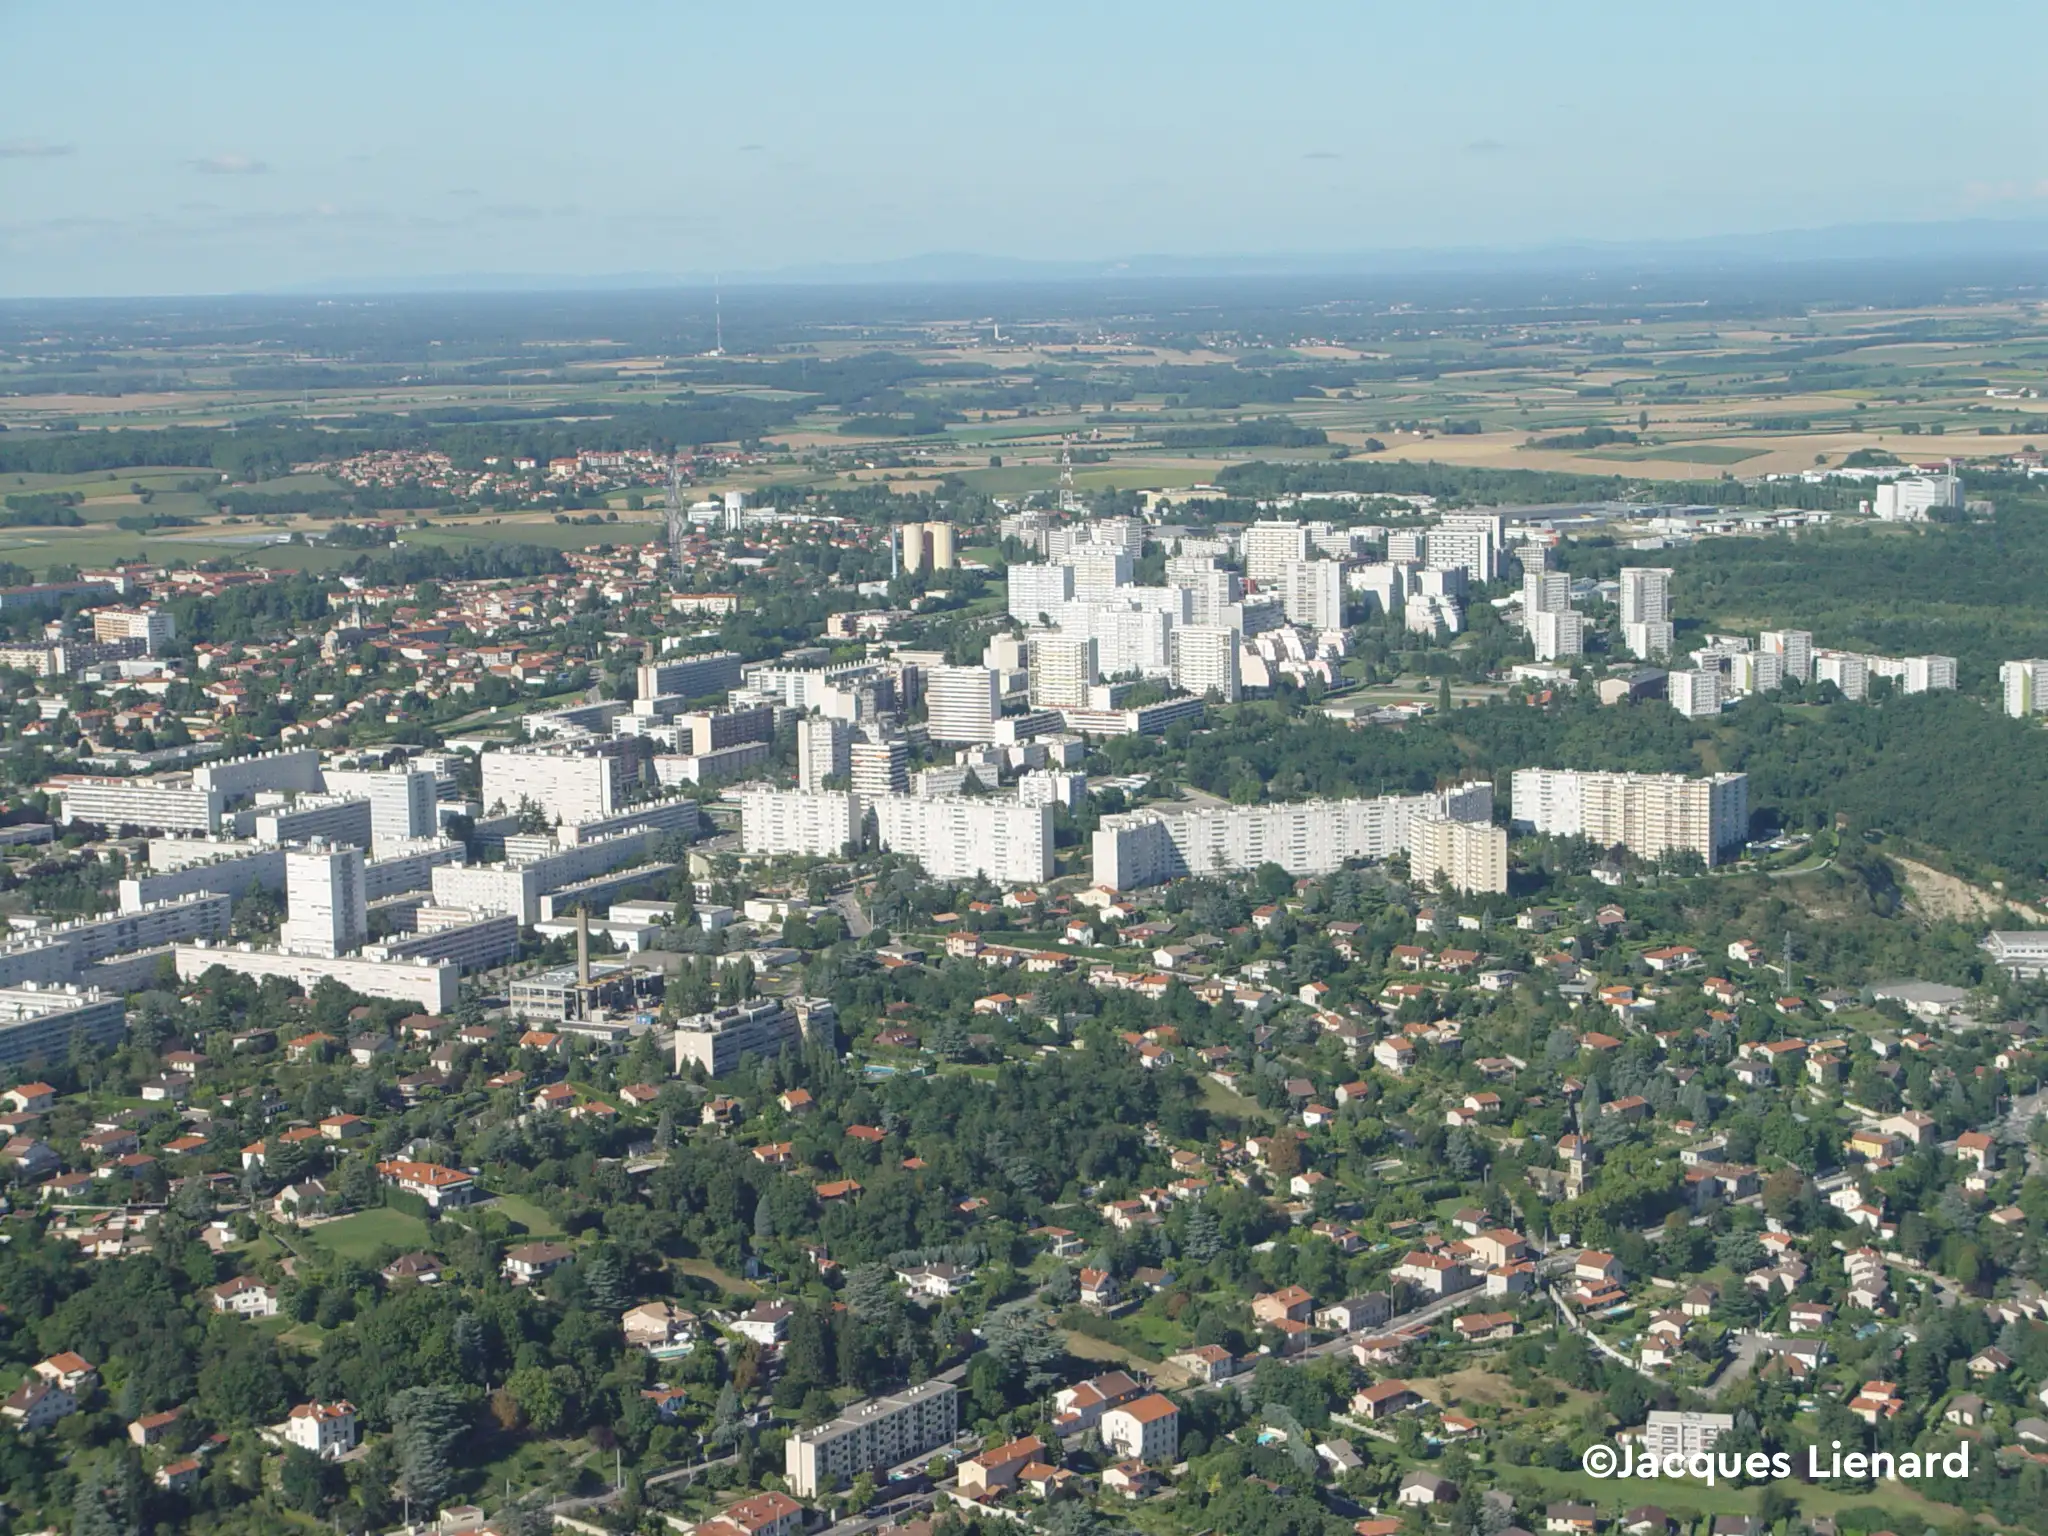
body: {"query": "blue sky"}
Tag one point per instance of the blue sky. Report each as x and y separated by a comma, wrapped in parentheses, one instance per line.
(152, 148)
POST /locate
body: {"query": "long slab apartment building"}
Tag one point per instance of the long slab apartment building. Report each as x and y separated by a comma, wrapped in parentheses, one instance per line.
(1649, 814)
(1307, 837)
(871, 1436)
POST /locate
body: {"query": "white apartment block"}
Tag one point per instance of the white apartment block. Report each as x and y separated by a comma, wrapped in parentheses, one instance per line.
(295, 770)
(1667, 1433)
(2024, 687)
(1211, 593)
(1052, 787)
(1385, 586)
(1036, 591)
(144, 803)
(962, 703)
(1845, 669)
(430, 986)
(1557, 635)
(880, 767)
(1649, 814)
(1694, 694)
(1467, 541)
(1470, 856)
(154, 627)
(1647, 639)
(1306, 837)
(332, 818)
(1063, 669)
(1915, 674)
(1130, 640)
(1755, 672)
(1645, 596)
(1270, 547)
(1003, 840)
(1312, 593)
(692, 677)
(566, 787)
(720, 1040)
(1546, 592)
(40, 1021)
(811, 823)
(1207, 656)
(871, 1436)
(1098, 572)
(824, 748)
(404, 802)
(326, 911)
(1796, 646)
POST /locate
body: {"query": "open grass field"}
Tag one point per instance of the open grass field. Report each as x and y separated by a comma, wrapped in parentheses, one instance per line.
(534, 1221)
(360, 1236)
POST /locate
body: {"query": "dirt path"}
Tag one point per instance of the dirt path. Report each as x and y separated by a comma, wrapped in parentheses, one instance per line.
(1944, 896)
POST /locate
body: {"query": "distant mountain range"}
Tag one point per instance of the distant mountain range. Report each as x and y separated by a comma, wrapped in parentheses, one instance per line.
(1946, 241)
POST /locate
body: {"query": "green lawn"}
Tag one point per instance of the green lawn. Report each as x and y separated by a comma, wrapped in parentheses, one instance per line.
(537, 1222)
(361, 1235)
(1219, 1100)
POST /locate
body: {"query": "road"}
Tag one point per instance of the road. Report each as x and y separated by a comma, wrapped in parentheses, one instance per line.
(857, 923)
(1737, 1369)
(1577, 1325)
(2019, 1120)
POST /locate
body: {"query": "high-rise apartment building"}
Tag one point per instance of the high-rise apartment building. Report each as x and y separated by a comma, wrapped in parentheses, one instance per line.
(1036, 592)
(1470, 856)
(1063, 669)
(1207, 656)
(154, 627)
(1304, 837)
(403, 801)
(1557, 635)
(1312, 593)
(570, 787)
(1649, 814)
(1648, 639)
(1847, 670)
(2024, 686)
(1694, 694)
(880, 767)
(962, 703)
(1645, 596)
(1796, 646)
(824, 749)
(1467, 541)
(1270, 547)
(1915, 674)
(816, 824)
(1755, 672)
(690, 677)
(969, 837)
(1546, 592)
(1098, 572)
(325, 909)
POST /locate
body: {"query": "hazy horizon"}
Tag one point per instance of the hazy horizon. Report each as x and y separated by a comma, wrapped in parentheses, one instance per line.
(264, 150)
